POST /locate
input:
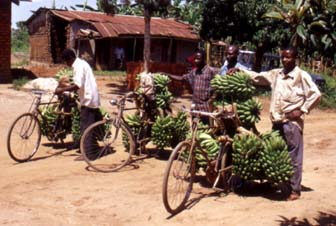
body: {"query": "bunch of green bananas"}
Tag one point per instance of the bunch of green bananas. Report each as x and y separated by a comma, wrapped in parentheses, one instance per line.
(245, 156)
(168, 131)
(275, 159)
(135, 124)
(49, 114)
(65, 72)
(236, 87)
(163, 96)
(181, 128)
(75, 124)
(162, 131)
(160, 81)
(210, 146)
(249, 112)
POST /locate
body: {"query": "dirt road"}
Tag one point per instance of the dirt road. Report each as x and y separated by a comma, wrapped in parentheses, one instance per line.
(53, 189)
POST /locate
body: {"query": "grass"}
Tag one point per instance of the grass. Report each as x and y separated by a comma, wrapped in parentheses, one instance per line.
(328, 91)
(110, 73)
(18, 83)
(21, 63)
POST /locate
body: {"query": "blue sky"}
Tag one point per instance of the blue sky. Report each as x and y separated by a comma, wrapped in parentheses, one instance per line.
(23, 11)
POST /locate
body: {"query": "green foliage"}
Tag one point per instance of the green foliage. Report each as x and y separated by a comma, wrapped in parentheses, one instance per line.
(311, 25)
(241, 21)
(20, 82)
(328, 100)
(114, 73)
(20, 38)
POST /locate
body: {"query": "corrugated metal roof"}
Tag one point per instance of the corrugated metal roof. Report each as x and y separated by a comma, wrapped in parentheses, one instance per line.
(121, 25)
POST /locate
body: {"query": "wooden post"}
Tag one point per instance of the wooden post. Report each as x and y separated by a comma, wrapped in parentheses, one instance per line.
(134, 48)
(170, 48)
(208, 49)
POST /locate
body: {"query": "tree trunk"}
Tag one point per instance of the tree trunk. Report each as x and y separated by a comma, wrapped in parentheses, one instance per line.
(147, 41)
(258, 57)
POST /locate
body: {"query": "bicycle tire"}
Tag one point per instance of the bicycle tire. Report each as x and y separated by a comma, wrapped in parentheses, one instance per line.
(178, 156)
(101, 151)
(25, 133)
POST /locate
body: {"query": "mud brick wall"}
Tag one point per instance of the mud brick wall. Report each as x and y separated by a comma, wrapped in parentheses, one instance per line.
(5, 41)
(39, 39)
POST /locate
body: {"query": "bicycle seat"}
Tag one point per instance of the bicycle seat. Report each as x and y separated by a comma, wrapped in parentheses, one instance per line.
(38, 91)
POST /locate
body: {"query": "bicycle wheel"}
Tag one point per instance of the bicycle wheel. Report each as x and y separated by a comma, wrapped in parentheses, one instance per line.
(178, 178)
(102, 148)
(24, 137)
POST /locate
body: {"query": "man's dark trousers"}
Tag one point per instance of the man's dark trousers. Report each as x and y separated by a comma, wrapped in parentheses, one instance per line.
(294, 139)
(88, 116)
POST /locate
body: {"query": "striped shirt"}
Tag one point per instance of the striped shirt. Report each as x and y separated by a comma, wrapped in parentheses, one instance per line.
(200, 85)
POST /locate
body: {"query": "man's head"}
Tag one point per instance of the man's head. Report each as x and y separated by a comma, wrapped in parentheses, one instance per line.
(288, 58)
(69, 56)
(199, 58)
(232, 54)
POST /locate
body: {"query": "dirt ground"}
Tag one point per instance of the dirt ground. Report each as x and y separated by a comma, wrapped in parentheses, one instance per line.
(53, 189)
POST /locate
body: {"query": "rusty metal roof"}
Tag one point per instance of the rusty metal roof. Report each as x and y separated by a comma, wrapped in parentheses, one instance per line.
(123, 25)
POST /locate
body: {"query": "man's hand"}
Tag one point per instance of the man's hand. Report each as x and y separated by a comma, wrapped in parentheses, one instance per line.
(293, 115)
(58, 91)
(231, 71)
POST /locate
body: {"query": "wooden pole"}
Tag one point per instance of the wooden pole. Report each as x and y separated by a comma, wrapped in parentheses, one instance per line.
(134, 48)
(170, 48)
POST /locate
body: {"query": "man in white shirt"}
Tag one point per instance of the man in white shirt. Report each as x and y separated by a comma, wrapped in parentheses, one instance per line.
(85, 84)
(294, 94)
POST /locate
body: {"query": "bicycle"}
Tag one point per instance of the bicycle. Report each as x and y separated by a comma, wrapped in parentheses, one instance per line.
(101, 144)
(180, 170)
(24, 135)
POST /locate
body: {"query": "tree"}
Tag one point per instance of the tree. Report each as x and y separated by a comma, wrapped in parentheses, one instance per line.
(312, 24)
(187, 11)
(20, 38)
(243, 21)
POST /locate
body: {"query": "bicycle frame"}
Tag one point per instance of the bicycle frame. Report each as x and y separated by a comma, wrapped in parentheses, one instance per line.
(121, 106)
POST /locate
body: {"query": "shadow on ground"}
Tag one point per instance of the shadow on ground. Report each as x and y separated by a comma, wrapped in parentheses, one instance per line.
(323, 219)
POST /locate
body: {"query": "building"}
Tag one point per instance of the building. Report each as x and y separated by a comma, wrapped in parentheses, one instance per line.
(5, 39)
(96, 35)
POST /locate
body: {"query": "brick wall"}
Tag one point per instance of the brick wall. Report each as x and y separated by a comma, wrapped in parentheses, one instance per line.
(5, 40)
(39, 39)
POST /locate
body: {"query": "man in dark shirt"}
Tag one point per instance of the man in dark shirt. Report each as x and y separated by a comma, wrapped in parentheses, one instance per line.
(199, 79)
